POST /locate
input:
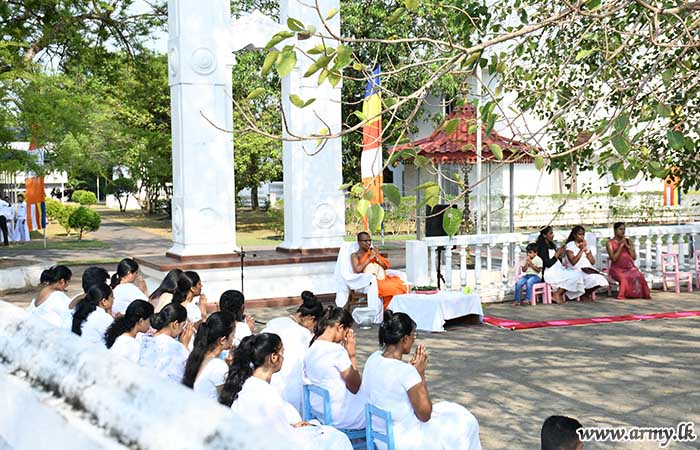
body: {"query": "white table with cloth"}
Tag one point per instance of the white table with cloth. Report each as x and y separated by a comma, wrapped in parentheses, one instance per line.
(430, 311)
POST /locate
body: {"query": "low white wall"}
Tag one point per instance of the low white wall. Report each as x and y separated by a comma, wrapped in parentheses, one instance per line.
(136, 407)
(22, 277)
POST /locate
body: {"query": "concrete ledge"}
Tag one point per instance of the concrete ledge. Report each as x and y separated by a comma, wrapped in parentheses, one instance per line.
(139, 409)
(22, 276)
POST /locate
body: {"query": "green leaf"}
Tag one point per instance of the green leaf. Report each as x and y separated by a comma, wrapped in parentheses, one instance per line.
(667, 76)
(296, 100)
(583, 53)
(620, 144)
(317, 65)
(392, 193)
(689, 144)
(322, 76)
(432, 195)
(425, 185)
(496, 150)
(421, 161)
(676, 139)
(294, 24)
(362, 207)
(621, 122)
(451, 221)
(358, 66)
(614, 190)
(334, 77)
(390, 101)
(663, 110)
(331, 13)
(411, 4)
(277, 38)
(501, 67)
(471, 59)
(395, 16)
(539, 162)
(286, 62)
(489, 125)
(255, 93)
(592, 4)
(343, 57)
(450, 126)
(269, 61)
(360, 115)
(368, 195)
(375, 217)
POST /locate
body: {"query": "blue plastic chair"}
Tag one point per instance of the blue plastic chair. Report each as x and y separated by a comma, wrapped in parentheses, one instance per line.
(372, 435)
(357, 437)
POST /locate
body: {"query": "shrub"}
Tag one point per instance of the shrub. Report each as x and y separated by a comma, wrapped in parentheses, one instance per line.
(64, 216)
(54, 209)
(84, 219)
(276, 215)
(77, 195)
(88, 198)
(121, 187)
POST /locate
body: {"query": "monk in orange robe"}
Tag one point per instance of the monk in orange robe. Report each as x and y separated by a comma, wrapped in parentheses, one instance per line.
(368, 260)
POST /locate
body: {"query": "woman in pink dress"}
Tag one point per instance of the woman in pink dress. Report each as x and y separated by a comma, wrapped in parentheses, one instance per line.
(622, 268)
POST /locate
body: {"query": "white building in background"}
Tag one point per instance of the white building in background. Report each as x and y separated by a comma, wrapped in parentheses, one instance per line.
(13, 184)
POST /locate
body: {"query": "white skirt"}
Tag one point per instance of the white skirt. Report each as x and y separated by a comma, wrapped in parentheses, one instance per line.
(451, 427)
(570, 280)
(591, 280)
(322, 437)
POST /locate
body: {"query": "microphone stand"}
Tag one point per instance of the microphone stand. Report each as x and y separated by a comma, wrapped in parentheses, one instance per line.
(243, 254)
(440, 249)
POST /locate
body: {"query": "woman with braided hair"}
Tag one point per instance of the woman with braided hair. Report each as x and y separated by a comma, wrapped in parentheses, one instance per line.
(249, 393)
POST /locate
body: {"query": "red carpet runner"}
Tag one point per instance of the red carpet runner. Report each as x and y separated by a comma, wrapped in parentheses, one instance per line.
(516, 325)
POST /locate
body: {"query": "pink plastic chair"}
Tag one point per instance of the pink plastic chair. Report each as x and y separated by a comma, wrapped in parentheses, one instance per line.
(611, 280)
(543, 289)
(676, 275)
(696, 255)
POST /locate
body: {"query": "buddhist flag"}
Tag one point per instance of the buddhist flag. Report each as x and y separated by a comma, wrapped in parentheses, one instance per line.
(36, 207)
(672, 193)
(371, 160)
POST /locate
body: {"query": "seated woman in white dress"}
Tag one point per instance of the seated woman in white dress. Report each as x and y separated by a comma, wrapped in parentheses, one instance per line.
(296, 333)
(121, 336)
(249, 393)
(330, 363)
(582, 259)
(163, 294)
(205, 372)
(125, 291)
(93, 314)
(400, 388)
(564, 282)
(166, 351)
(92, 276)
(233, 302)
(51, 304)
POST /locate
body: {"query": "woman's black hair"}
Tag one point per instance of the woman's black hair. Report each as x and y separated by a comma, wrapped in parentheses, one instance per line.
(574, 231)
(331, 316)
(248, 356)
(192, 276)
(219, 324)
(169, 284)
(542, 240)
(94, 275)
(124, 268)
(184, 286)
(172, 312)
(310, 305)
(395, 327)
(232, 302)
(55, 274)
(137, 310)
(617, 225)
(88, 304)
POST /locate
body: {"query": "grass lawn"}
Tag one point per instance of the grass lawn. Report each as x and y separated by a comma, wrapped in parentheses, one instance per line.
(66, 244)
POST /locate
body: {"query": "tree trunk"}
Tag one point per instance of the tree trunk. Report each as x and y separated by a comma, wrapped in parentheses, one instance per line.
(254, 197)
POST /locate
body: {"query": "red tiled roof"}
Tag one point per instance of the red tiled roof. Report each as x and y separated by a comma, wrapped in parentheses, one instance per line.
(460, 146)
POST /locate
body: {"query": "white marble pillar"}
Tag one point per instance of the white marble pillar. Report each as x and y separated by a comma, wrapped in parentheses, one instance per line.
(314, 207)
(199, 66)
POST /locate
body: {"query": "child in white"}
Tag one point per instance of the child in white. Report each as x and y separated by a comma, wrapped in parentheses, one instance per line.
(332, 366)
(399, 388)
(531, 275)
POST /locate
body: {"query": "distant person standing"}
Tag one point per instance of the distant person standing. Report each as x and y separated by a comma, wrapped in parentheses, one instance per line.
(4, 221)
(21, 228)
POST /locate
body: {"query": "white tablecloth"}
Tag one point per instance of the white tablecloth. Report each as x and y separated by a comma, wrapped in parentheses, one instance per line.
(430, 311)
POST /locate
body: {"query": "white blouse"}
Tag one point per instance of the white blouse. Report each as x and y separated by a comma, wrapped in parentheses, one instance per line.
(96, 325)
(127, 347)
(124, 294)
(54, 309)
(213, 374)
(165, 355)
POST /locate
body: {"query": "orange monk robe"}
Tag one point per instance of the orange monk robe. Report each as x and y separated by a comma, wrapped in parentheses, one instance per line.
(390, 285)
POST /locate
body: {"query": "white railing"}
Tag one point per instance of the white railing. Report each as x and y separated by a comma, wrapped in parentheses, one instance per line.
(492, 253)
